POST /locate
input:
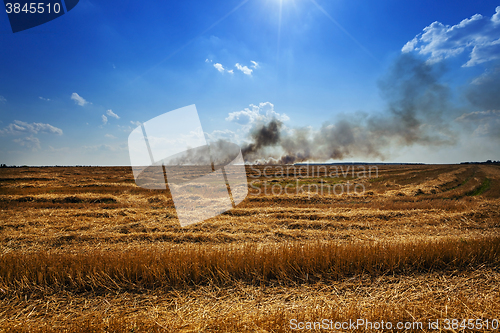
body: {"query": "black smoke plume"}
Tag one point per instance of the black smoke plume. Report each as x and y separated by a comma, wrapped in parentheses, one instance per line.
(484, 92)
(418, 105)
(263, 136)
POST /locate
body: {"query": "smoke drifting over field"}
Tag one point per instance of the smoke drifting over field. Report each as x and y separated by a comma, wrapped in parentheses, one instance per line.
(419, 109)
(417, 104)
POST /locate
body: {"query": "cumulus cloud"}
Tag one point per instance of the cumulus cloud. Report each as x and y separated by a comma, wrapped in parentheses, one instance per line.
(110, 136)
(483, 53)
(79, 99)
(104, 119)
(112, 114)
(219, 67)
(245, 116)
(478, 36)
(21, 127)
(44, 99)
(496, 17)
(262, 113)
(244, 69)
(30, 142)
(2, 99)
(136, 123)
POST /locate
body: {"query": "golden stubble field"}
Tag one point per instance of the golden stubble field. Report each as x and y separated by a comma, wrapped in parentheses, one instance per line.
(83, 249)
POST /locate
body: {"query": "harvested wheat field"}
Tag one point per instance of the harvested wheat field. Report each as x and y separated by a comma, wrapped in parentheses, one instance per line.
(312, 248)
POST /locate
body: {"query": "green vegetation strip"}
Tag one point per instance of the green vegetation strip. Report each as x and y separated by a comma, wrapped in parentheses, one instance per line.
(461, 184)
(485, 186)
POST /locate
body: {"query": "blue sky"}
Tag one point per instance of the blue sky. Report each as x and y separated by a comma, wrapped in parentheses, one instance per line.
(72, 90)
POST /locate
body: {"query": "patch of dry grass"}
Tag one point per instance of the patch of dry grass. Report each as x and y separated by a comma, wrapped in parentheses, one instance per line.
(287, 264)
(244, 308)
(85, 250)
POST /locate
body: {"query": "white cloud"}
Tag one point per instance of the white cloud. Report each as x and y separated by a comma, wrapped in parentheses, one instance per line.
(219, 67)
(261, 113)
(29, 142)
(245, 116)
(244, 69)
(222, 134)
(250, 119)
(410, 45)
(20, 127)
(112, 114)
(2, 99)
(136, 123)
(44, 99)
(478, 36)
(487, 122)
(484, 53)
(496, 17)
(479, 115)
(79, 99)
(110, 136)
(104, 119)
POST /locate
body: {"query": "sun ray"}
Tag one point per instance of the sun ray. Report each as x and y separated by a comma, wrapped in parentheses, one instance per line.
(344, 30)
(193, 39)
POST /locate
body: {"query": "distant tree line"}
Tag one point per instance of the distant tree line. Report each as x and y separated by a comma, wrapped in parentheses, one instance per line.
(12, 166)
(3, 165)
(487, 162)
